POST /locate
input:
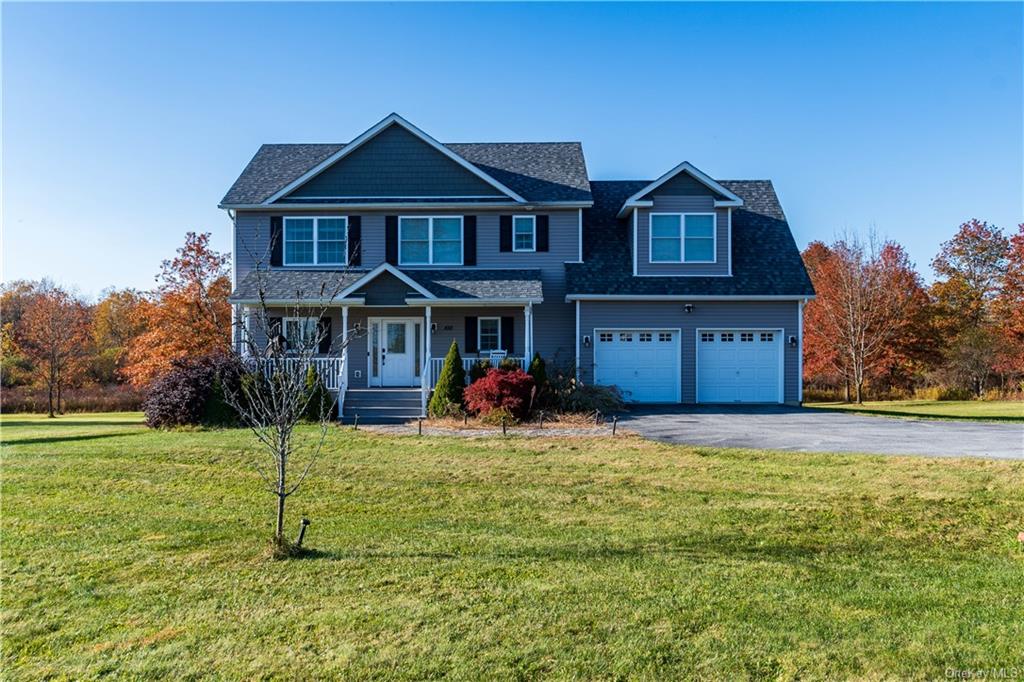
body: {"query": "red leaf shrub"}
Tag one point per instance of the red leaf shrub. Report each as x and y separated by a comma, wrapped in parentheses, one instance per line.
(500, 388)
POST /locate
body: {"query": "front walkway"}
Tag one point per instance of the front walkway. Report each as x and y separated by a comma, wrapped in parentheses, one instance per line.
(805, 430)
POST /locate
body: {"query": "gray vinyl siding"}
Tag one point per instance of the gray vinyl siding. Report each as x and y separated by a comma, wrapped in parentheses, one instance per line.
(554, 320)
(683, 204)
(395, 164)
(706, 314)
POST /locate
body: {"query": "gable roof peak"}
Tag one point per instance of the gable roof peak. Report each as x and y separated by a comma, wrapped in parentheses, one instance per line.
(636, 200)
(370, 133)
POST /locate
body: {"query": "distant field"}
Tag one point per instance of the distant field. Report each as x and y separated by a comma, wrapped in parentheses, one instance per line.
(977, 410)
(129, 553)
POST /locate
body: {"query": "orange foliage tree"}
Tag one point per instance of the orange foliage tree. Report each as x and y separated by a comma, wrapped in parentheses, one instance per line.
(116, 322)
(861, 322)
(54, 330)
(187, 315)
(970, 269)
(1008, 309)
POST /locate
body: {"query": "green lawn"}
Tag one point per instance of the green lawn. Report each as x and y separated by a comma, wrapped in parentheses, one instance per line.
(142, 554)
(974, 410)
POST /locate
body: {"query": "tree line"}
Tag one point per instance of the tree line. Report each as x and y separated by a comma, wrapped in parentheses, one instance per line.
(54, 339)
(876, 328)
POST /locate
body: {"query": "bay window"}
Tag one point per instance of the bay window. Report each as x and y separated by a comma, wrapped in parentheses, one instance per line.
(435, 240)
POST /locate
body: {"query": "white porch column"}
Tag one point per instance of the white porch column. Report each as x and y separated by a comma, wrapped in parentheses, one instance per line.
(242, 334)
(528, 316)
(343, 379)
(426, 335)
(427, 370)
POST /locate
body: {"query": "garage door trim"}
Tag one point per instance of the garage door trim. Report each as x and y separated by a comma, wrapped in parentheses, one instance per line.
(679, 360)
(782, 355)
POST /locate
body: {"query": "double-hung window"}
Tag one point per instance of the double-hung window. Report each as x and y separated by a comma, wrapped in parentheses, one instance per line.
(524, 233)
(316, 241)
(430, 240)
(299, 332)
(489, 333)
(682, 237)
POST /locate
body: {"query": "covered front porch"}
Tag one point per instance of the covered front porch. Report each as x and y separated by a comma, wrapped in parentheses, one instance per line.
(388, 331)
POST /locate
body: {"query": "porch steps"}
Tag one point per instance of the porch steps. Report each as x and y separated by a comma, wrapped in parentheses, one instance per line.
(381, 405)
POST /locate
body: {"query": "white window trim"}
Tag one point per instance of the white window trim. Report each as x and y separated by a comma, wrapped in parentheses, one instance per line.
(479, 345)
(316, 239)
(430, 238)
(533, 237)
(682, 237)
(303, 321)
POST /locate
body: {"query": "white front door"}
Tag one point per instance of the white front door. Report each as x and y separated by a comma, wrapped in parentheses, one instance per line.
(400, 354)
(739, 366)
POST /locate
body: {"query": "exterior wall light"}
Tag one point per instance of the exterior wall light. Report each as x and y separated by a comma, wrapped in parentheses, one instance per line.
(586, 341)
(433, 327)
(688, 307)
(792, 341)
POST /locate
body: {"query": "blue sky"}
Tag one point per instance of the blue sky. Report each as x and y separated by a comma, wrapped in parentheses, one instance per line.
(123, 125)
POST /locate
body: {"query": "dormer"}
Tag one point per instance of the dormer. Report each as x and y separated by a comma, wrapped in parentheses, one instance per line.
(681, 225)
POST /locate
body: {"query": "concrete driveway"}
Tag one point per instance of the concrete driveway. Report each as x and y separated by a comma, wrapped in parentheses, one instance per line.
(785, 428)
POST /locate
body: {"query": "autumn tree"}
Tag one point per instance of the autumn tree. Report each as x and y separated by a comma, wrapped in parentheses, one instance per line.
(188, 314)
(860, 308)
(15, 298)
(1008, 309)
(970, 268)
(117, 322)
(914, 346)
(821, 363)
(55, 333)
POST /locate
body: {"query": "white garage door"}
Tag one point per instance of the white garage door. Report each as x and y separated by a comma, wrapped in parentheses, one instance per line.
(739, 366)
(643, 363)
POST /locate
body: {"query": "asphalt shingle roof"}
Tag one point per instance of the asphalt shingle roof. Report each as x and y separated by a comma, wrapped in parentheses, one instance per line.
(766, 261)
(537, 171)
(317, 285)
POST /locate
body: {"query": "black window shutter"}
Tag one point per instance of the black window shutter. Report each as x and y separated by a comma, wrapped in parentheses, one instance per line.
(355, 240)
(471, 340)
(508, 334)
(505, 233)
(469, 240)
(542, 233)
(276, 240)
(323, 327)
(391, 239)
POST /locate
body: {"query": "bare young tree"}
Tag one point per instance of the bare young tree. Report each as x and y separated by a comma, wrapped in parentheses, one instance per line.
(865, 308)
(273, 393)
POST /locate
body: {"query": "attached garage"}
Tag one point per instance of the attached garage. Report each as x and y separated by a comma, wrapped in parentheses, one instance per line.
(642, 363)
(739, 366)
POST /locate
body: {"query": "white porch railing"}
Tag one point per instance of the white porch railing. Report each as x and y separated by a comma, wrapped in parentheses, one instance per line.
(467, 364)
(330, 369)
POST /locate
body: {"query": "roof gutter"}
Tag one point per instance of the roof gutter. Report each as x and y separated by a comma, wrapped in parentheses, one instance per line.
(675, 297)
(469, 302)
(407, 206)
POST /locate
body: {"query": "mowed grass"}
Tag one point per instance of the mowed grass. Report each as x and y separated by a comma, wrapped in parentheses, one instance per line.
(142, 554)
(975, 410)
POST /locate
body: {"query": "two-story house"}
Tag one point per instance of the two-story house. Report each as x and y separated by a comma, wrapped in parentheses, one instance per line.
(684, 289)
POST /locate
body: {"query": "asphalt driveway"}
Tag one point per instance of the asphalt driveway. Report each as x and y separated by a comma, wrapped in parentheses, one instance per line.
(806, 430)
